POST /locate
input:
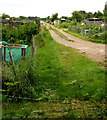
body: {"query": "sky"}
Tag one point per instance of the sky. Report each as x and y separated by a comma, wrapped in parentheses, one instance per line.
(44, 8)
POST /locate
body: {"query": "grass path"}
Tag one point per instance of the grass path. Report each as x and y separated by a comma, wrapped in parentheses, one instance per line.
(64, 75)
(63, 66)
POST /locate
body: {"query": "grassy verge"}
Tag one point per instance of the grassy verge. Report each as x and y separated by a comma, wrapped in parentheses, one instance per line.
(61, 35)
(85, 38)
(73, 83)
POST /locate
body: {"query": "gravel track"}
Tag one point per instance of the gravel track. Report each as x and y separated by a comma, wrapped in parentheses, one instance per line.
(94, 51)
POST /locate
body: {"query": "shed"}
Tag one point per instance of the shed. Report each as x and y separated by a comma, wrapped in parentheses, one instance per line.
(94, 21)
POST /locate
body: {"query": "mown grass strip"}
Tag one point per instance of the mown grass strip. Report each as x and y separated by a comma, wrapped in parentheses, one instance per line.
(61, 34)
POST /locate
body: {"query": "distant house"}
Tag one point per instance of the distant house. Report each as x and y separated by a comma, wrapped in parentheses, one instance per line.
(15, 22)
(94, 21)
(27, 20)
(5, 21)
(11, 22)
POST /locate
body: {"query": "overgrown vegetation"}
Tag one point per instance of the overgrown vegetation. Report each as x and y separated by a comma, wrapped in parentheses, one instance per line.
(56, 73)
(89, 39)
(19, 34)
(94, 33)
(23, 79)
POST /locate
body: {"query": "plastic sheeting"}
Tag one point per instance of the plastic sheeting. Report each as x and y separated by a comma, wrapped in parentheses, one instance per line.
(16, 52)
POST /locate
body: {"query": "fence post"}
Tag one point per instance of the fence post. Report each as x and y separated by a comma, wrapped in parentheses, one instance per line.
(4, 54)
(23, 53)
(11, 58)
(33, 46)
(12, 61)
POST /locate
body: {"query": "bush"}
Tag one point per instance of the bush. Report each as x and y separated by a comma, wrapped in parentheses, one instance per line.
(63, 25)
(22, 33)
(73, 23)
(103, 36)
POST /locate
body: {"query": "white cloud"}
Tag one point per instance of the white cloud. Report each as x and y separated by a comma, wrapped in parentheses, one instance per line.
(44, 8)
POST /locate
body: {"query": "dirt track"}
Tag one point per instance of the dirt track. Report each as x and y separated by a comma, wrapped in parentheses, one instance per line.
(94, 51)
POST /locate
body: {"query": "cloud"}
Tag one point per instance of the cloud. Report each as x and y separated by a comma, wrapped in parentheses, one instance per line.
(44, 8)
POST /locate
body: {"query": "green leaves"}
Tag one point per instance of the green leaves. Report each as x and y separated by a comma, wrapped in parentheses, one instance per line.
(11, 83)
(77, 16)
(14, 34)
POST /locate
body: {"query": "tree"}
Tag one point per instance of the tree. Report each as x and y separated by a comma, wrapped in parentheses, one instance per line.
(22, 17)
(65, 17)
(54, 17)
(89, 15)
(48, 19)
(4, 16)
(98, 14)
(77, 16)
(83, 13)
(44, 19)
(32, 17)
(70, 18)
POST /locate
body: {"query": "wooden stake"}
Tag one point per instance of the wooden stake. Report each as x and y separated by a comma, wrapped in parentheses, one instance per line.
(33, 46)
(12, 61)
(23, 53)
(4, 54)
(11, 58)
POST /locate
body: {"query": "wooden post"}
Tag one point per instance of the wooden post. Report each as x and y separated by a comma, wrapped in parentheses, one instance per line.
(33, 46)
(12, 61)
(4, 54)
(23, 53)
(11, 58)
